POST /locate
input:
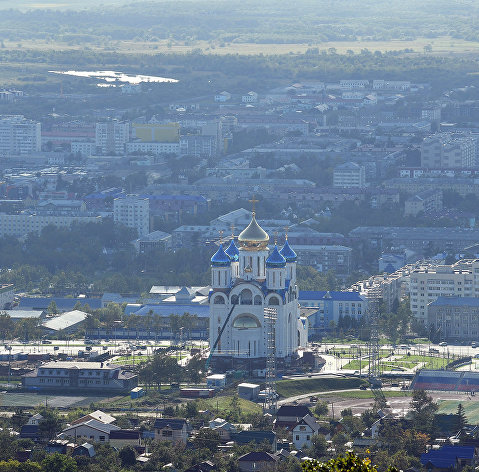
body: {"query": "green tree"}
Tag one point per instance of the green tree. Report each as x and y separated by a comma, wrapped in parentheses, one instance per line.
(59, 463)
(321, 409)
(52, 308)
(349, 463)
(319, 447)
(127, 456)
(423, 410)
(51, 423)
(461, 418)
(7, 326)
(207, 438)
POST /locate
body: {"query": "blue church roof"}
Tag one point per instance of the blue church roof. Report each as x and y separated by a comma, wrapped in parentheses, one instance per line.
(220, 258)
(288, 253)
(233, 251)
(275, 259)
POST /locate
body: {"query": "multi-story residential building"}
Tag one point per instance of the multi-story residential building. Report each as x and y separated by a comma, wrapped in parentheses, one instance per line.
(133, 211)
(450, 151)
(112, 136)
(6, 296)
(417, 239)
(429, 282)
(431, 113)
(353, 84)
(74, 376)
(427, 201)
(198, 145)
(326, 258)
(454, 318)
(25, 222)
(250, 97)
(155, 132)
(19, 135)
(349, 175)
(84, 148)
(155, 148)
(391, 85)
(388, 287)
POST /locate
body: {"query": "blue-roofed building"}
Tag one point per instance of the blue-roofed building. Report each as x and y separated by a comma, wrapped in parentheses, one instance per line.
(449, 458)
(63, 304)
(167, 309)
(331, 307)
(454, 318)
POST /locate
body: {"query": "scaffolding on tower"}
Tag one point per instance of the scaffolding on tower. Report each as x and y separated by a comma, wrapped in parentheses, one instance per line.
(374, 366)
(270, 397)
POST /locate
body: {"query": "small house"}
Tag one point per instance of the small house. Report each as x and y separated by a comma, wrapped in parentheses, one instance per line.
(257, 461)
(248, 391)
(216, 381)
(171, 429)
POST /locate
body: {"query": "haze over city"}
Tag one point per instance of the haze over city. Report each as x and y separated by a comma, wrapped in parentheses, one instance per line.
(239, 236)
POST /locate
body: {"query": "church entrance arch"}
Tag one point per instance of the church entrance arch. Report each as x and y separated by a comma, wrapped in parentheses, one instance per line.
(246, 336)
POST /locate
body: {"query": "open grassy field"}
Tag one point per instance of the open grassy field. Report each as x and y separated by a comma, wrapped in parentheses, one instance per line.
(471, 408)
(405, 362)
(222, 404)
(290, 388)
(440, 46)
(362, 394)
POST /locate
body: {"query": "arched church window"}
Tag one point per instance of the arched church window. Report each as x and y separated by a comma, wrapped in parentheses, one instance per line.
(258, 300)
(234, 299)
(273, 301)
(246, 322)
(246, 297)
(219, 300)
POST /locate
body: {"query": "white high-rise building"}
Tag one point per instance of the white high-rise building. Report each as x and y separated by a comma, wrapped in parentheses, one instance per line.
(246, 280)
(430, 282)
(448, 151)
(112, 136)
(133, 211)
(19, 135)
(349, 175)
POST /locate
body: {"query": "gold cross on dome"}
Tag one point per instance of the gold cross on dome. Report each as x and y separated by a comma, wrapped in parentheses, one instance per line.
(233, 227)
(221, 234)
(286, 229)
(275, 238)
(253, 201)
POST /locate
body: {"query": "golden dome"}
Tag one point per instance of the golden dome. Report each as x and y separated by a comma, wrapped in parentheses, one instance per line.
(253, 237)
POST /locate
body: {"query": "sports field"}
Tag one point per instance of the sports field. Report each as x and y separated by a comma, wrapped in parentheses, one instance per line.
(29, 400)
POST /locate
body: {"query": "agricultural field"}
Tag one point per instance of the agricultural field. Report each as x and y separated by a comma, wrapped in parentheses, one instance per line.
(438, 46)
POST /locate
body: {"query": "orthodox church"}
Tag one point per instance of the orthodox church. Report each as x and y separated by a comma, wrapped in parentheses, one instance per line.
(244, 281)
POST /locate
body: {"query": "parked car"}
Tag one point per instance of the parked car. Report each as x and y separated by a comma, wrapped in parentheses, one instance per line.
(444, 343)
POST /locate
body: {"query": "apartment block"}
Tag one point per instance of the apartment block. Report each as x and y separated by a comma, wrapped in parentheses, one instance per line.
(155, 148)
(112, 136)
(19, 135)
(423, 202)
(454, 318)
(326, 258)
(448, 151)
(156, 132)
(430, 282)
(25, 222)
(349, 175)
(133, 211)
(388, 287)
